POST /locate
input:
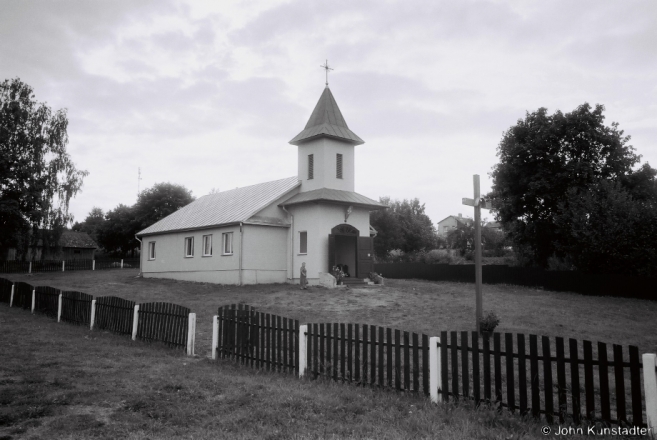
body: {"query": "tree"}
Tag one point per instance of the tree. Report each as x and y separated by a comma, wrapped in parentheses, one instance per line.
(543, 158)
(463, 238)
(159, 201)
(404, 225)
(117, 233)
(92, 223)
(37, 176)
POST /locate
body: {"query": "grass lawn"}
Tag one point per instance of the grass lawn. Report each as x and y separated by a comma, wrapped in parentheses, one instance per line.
(63, 381)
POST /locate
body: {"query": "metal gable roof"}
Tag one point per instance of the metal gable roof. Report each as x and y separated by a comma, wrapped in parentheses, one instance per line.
(326, 119)
(334, 195)
(226, 207)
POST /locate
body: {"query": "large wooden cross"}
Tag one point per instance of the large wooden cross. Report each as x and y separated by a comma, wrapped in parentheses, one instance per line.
(478, 203)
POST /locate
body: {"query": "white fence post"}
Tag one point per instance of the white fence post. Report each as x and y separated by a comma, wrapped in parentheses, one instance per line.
(650, 389)
(33, 300)
(121, 263)
(63, 264)
(59, 308)
(93, 314)
(191, 334)
(434, 370)
(303, 350)
(215, 336)
(30, 269)
(135, 321)
(11, 298)
(93, 264)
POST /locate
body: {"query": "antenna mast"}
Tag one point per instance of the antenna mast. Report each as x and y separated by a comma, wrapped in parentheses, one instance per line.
(138, 180)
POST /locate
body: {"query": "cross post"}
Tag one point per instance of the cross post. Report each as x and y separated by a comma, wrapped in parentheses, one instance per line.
(326, 67)
(477, 203)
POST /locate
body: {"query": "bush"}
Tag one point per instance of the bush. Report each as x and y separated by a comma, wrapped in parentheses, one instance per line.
(489, 322)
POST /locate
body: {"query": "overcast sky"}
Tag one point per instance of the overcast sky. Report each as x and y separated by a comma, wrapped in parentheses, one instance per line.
(207, 94)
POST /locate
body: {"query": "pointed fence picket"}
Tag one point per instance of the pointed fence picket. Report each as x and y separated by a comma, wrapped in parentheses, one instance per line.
(46, 300)
(114, 314)
(163, 322)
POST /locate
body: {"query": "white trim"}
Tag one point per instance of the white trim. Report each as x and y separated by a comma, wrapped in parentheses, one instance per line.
(189, 240)
(224, 238)
(151, 250)
(204, 247)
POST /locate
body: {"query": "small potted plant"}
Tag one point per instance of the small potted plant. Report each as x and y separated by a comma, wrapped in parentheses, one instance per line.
(338, 274)
(488, 324)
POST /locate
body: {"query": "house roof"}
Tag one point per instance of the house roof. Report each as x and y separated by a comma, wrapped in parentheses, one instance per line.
(226, 207)
(336, 196)
(75, 239)
(327, 120)
(464, 220)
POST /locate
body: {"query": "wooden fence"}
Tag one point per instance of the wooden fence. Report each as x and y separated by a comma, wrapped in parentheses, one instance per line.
(76, 307)
(260, 340)
(22, 295)
(46, 300)
(114, 314)
(527, 377)
(5, 290)
(39, 266)
(164, 322)
(572, 281)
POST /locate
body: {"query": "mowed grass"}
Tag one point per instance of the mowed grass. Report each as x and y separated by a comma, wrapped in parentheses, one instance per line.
(60, 381)
(63, 381)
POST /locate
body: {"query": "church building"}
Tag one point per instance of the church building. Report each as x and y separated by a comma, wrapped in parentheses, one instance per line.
(264, 232)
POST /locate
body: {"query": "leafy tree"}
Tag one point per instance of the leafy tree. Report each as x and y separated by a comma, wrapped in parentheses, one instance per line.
(159, 201)
(404, 225)
(117, 233)
(608, 231)
(463, 238)
(37, 176)
(92, 223)
(544, 159)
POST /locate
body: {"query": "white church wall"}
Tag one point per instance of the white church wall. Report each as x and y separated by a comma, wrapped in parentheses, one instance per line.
(325, 151)
(265, 254)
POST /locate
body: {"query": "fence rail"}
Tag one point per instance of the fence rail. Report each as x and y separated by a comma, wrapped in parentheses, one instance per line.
(39, 266)
(164, 322)
(46, 300)
(114, 314)
(76, 307)
(572, 281)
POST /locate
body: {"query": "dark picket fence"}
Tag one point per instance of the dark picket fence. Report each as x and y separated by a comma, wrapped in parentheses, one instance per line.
(525, 378)
(40, 266)
(46, 300)
(261, 340)
(23, 295)
(14, 266)
(114, 314)
(46, 266)
(369, 355)
(571, 281)
(164, 322)
(76, 307)
(5, 290)
(77, 265)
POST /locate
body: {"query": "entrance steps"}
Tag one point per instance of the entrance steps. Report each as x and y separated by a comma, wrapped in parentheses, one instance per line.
(354, 282)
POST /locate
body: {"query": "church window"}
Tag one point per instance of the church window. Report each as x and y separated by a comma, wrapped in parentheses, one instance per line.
(207, 245)
(227, 239)
(151, 250)
(189, 247)
(338, 166)
(311, 166)
(303, 242)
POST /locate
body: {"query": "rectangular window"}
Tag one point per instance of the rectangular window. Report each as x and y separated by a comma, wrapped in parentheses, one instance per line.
(189, 247)
(303, 242)
(207, 245)
(227, 238)
(151, 250)
(311, 167)
(338, 166)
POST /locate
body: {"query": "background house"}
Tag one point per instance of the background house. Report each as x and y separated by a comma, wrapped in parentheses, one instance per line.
(72, 245)
(450, 223)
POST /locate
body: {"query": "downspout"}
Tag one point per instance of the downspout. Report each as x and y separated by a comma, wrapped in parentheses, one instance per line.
(140, 256)
(290, 270)
(241, 250)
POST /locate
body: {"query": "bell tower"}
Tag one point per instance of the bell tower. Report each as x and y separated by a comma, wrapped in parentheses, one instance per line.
(326, 148)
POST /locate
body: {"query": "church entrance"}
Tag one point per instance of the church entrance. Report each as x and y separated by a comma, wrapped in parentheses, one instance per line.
(350, 251)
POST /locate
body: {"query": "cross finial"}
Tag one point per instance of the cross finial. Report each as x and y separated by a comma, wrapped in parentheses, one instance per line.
(327, 68)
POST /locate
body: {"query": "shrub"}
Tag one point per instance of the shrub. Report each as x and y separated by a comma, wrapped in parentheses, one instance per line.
(489, 322)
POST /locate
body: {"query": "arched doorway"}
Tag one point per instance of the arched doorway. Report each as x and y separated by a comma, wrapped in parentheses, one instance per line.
(347, 247)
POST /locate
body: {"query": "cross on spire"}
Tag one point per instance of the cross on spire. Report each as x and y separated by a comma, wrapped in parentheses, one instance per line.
(326, 67)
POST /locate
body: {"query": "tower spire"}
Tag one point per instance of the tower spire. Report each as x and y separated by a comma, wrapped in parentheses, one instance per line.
(327, 68)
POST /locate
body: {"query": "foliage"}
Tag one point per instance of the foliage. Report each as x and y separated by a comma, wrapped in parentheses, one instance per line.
(608, 231)
(37, 176)
(488, 322)
(117, 233)
(159, 201)
(434, 256)
(92, 223)
(404, 225)
(463, 239)
(548, 161)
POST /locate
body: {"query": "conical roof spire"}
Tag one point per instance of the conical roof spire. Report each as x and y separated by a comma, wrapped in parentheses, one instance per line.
(327, 120)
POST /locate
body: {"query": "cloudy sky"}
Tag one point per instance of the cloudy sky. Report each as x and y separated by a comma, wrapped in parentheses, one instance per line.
(207, 94)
